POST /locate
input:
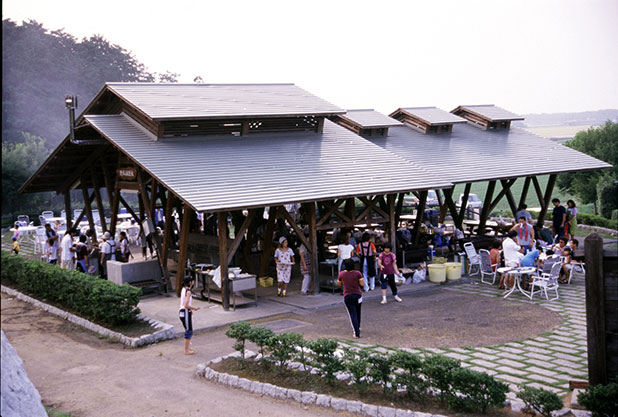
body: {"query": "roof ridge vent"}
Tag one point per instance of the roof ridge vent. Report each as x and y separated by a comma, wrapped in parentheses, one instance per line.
(427, 119)
(487, 116)
(365, 122)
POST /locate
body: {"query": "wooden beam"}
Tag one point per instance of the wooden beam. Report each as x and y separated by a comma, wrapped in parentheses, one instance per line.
(464, 201)
(88, 207)
(313, 239)
(443, 207)
(506, 186)
(182, 250)
(77, 173)
(167, 228)
(129, 209)
(223, 254)
(67, 208)
(539, 192)
(524, 193)
(548, 191)
(422, 202)
(597, 328)
(81, 215)
(107, 179)
(153, 199)
(491, 186)
(240, 235)
(392, 229)
(268, 241)
(331, 210)
(97, 196)
(372, 204)
(399, 207)
(448, 198)
(299, 232)
(115, 206)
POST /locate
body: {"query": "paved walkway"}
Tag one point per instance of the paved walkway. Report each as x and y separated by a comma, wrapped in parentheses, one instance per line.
(547, 361)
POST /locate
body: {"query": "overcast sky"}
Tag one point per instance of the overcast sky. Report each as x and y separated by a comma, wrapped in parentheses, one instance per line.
(528, 56)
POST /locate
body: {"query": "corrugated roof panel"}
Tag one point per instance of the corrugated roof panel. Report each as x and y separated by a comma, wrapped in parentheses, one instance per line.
(370, 118)
(469, 154)
(433, 115)
(203, 101)
(227, 172)
(492, 112)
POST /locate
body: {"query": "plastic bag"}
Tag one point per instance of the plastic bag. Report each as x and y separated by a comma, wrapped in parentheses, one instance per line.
(419, 276)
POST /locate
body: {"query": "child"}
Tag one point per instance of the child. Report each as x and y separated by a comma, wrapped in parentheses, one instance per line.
(284, 257)
(15, 246)
(51, 251)
(387, 262)
(185, 312)
(367, 252)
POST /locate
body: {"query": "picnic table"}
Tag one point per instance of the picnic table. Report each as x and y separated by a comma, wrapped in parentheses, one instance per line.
(25, 230)
(489, 224)
(518, 273)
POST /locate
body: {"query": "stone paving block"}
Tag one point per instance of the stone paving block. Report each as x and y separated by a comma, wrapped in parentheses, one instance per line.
(510, 378)
(465, 365)
(566, 373)
(515, 345)
(564, 363)
(547, 387)
(542, 364)
(568, 357)
(485, 350)
(541, 339)
(535, 343)
(435, 350)
(538, 356)
(541, 371)
(460, 350)
(542, 378)
(484, 356)
(507, 355)
(567, 339)
(571, 350)
(381, 350)
(511, 350)
(564, 344)
(511, 363)
(483, 363)
(457, 356)
(479, 369)
(509, 370)
(556, 333)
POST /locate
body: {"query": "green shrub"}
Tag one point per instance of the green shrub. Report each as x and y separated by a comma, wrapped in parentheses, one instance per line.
(381, 370)
(283, 346)
(239, 331)
(301, 353)
(592, 220)
(476, 391)
(357, 364)
(261, 336)
(600, 400)
(324, 358)
(540, 400)
(439, 372)
(608, 196)
(88, 296)
(615, 215)
(410, 376)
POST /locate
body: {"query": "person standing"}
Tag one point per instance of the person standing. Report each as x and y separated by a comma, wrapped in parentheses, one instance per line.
(108, 252)
(67, 250)
(569, 230)
(559, 217)
(525, 233)
(83, 263)
(185, 312)
(513, 253)
(124, 247)
(305, 268)
(387, 262)
(344, 251)
(352, 282)
(522, 212)
(284, 257)
(51, 250)
(367, 252)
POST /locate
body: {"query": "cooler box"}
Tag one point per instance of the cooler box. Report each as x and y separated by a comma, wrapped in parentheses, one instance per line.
(437, 272)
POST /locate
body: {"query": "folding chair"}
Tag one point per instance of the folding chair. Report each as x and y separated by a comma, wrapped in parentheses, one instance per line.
(40, 240)
(47, 214)
(43, 220)
(23, 220)
(547, 281)
(487, 268)
(473, 258)
(577, 268)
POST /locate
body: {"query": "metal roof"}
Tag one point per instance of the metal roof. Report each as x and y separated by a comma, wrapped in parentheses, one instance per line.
(204, 101)
(432, 115)
(491, 112)
(213, 173)
(468, 154)
(369, 118)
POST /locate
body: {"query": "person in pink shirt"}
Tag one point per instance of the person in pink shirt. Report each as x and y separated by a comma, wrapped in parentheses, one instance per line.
(387, 262)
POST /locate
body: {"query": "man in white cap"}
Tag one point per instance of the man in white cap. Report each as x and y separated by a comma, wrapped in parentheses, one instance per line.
(108, 251)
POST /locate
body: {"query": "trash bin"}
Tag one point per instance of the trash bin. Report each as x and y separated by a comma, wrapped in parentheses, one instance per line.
(453, 271)
(437, 272)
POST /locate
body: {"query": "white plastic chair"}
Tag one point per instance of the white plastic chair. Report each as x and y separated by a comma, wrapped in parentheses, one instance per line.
(473, 258)
(40, 240)
(132, 233)
(577, 268)
(547, 281)
(47, 214)
(42, 220)
(487, 268)
(23, 220)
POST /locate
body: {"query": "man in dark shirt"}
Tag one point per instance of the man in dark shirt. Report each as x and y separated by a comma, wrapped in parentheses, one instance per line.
(559, 218)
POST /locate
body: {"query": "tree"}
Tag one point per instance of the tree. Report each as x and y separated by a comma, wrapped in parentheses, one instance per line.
(601, 143)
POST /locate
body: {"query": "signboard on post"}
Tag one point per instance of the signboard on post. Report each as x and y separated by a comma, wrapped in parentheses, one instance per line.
(127, 174)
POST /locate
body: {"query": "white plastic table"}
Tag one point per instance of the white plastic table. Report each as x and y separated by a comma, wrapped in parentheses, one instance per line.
(518, 273)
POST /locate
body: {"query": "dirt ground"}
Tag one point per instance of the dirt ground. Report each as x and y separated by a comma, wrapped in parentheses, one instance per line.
(76, 371)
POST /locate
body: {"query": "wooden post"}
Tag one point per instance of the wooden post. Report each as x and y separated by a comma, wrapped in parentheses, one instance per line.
(486, 207)
(313, 239)
(464, 201)
(399, 207)
(448, 198)
(67, 208)
(422, 202)
(443, 207)
(167, 228)
(222, 226)
(524, 193)
(153, 200)
(268, 241)
(546, 199)
(115, 206)
(506, 186)
(97, 195)
(595, 312)
(392, 225)
(182, 250)
(87, 206)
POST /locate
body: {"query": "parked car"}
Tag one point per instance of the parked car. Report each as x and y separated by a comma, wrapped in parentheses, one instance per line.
(474, 202)
(410, 200)
(432, 199)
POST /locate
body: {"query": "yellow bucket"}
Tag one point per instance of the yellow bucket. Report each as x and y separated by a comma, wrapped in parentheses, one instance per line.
(437, 272)
(266, 281)
(453, 271)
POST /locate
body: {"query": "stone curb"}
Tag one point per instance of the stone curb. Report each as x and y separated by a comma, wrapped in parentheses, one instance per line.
(612, 232)
(326, 401)
(165, 332)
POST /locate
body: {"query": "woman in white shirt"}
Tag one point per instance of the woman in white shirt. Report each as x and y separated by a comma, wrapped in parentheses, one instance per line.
(344, 251)
(284, 257)
(185, 312)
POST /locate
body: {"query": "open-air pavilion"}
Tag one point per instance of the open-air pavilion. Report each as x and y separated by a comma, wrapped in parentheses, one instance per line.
(234, 150)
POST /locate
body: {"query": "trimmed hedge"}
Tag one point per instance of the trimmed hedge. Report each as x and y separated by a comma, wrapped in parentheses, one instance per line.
(90, 297)
(592, 220)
